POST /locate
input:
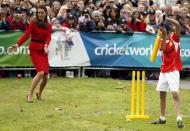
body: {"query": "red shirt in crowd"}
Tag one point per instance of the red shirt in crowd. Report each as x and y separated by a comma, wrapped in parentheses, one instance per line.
(138, 26)
(17, 25)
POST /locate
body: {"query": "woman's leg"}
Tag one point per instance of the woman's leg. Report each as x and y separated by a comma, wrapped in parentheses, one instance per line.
(35, 81)
(42, 86)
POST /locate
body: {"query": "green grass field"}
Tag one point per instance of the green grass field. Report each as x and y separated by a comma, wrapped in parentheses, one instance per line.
(83, 105)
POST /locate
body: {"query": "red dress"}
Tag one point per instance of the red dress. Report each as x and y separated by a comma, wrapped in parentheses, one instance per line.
(39, 38)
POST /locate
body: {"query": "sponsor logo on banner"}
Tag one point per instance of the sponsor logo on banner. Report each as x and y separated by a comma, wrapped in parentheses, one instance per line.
(67, 52)
(63, 47)
(90, 49)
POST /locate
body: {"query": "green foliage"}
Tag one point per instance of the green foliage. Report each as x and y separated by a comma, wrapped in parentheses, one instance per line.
(82, 105)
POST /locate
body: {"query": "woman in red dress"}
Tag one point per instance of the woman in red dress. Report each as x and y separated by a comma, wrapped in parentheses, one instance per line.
(40, 32)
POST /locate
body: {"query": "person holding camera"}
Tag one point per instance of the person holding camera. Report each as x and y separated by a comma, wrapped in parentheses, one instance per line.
(151, 17)
(171, 65)
(184, 18)
(112, 21)
(96, 20)
(6, 13)
(185, 26)
(4, 23)
(85, 22)
(136, 24)
(71, 22)
(29, 16)
(18, 21)
(40, 32)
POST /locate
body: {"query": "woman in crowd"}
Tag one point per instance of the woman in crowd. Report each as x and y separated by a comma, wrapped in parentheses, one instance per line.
(135, 23)
(40, 32)
(62, 15)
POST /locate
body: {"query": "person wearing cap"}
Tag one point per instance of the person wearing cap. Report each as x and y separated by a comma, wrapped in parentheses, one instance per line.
(18, 22)
(144, 16)
(135, 23)
(123, 27)
(71, 22)
(99, 20)
(83, 14)
(40, 32)
(4, 23)
(151, 19)
(169, 72)
(29, 16)
(86, 23)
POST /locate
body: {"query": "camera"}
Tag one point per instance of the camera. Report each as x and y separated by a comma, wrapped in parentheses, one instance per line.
(178, 17)
(134, 3)
(18, 10)
(133, 20)
(123, 20)
(86, 16)
(164, 17)
(4, 5)
(29, 13)
(108, 7)
(109, 20)
(85, 11)
(144, 13)
(162, 24)
(152, 12)
(69, 10)
(23, 9)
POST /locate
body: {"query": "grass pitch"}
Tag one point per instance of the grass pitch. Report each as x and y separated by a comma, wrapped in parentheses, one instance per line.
(83, 105)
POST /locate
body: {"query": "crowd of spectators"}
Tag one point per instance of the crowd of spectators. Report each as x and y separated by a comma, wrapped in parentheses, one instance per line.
(122, 16)
(95, 15)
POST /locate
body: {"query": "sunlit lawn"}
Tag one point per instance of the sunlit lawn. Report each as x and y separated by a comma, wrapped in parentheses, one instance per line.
(88, 104)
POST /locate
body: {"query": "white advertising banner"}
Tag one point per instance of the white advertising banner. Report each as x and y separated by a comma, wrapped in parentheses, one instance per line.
(63, 53)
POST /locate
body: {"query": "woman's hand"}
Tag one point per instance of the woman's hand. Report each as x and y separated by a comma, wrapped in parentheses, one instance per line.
(46, 48)
(12, 48)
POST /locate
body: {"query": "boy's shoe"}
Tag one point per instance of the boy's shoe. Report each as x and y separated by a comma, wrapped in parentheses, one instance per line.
(159, 121)
(180, 124)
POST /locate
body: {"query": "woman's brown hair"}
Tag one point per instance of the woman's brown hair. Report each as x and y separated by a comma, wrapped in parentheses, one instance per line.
(40, 23)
